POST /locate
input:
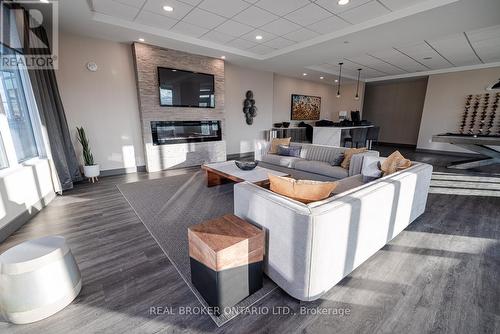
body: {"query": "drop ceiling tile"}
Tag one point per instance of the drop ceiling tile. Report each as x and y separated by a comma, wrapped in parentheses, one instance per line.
(424, 54)
(456, 49)
(241, 43)
(217, 37)
(234, 28)
(301, 35)
(132, 3)
(180, 8)
(484, 34)
(399, 60)
(281, 7)
(191, 2)
(115, 9)
(226, 8)
(251, 36)
(203, 19)
(400, 4)
(279, 43)
(334, 7)
(365, 12)
(368, 62)
(280, 27)
(328, 25)
(261, 49)
(155, 20)
(490, 54)
(189, 29)
(308, 15)
(255, 17)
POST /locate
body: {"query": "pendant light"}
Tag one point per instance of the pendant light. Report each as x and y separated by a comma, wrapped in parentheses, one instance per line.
(357, 87)
(340, 79)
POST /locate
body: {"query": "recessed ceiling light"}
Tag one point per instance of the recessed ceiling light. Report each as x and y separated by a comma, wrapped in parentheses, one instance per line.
(304, 74)
(321, 78)
(174, 70)
(141, 39)
(258, 37)
(223, 57)
(336, 80)
(44, 1)
(168, 8)
(343, 2)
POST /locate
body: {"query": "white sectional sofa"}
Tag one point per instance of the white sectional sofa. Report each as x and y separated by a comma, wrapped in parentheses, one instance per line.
(310, 248)
(314, 163)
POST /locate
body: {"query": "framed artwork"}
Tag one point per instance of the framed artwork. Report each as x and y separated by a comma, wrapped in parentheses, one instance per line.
(305, 108)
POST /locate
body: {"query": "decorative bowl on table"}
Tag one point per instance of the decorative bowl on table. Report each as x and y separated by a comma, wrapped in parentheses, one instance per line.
(286, 124)
(246, 165)
(278, 125)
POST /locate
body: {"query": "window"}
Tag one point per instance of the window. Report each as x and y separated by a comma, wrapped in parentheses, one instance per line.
(4, 163)
(16, 110)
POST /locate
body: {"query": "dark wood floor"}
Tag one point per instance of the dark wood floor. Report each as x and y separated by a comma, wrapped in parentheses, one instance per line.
(441, 275)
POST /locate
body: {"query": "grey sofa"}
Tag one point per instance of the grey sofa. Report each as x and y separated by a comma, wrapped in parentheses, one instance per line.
(315, 162)
(310, 248)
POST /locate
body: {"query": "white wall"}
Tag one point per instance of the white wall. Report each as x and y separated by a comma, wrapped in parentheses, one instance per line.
(284, 87)
(239, 135)
(104, 102)
(444, 103)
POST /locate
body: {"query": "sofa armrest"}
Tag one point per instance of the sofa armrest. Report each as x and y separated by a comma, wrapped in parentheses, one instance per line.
(261, 147)
(357, 161)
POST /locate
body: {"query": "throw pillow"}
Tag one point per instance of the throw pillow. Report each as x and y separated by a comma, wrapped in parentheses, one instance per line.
(348, 155)
(395, 162)
(338, 159)
(277, 142)
(371, 169)
(289, 151)
(301, 190)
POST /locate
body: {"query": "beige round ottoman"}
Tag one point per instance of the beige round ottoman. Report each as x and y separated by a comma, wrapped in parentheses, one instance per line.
(37, 279)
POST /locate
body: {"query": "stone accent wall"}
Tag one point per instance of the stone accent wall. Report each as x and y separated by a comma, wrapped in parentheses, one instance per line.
(147, 59)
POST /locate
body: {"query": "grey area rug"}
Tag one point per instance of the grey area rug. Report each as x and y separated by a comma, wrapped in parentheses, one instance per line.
(168, 206)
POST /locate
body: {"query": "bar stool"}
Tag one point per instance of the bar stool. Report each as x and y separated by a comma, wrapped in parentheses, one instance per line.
(372, 135)
(358, 137)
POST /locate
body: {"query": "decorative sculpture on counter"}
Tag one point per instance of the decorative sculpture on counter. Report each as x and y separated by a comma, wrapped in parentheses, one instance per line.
(249, 108)
(484, 107)
(465, 114)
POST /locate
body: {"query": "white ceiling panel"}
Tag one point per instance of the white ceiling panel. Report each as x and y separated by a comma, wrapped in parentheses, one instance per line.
(456, 49)
(261, 49)
(424, 54)
(486, 42)
(365, 12)
(241, 43)
(301, 35)
(180, 8)
(334, 7)
(308, 15)
(132, 3)
(329, 25)
(116, 9)
(400, 4)
(218, 37)
(281, 7)
(399, 60)
(155, 20)
(190, 2)
(280, 27)
(189, 29)
(203, 19)
(279, 43)
(367, 61)
(226, 8)
(255, 17)
(234, 28)
(351, 69)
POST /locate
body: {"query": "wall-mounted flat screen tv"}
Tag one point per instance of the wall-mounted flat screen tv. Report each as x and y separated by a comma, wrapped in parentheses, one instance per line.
(180, 88)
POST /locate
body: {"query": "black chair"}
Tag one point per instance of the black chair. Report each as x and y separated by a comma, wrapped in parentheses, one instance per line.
(358, 138)
(372, 136)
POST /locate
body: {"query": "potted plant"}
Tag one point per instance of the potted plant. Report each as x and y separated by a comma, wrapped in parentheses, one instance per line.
(91, 170)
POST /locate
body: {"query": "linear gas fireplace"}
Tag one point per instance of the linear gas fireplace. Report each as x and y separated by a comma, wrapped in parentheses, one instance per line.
(175, 132)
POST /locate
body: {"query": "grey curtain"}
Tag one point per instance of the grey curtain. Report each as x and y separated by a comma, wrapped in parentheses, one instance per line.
(52, 115)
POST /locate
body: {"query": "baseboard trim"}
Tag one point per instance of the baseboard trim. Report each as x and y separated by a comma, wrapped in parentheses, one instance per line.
(122, 171)
(240, 156)
(25, 216)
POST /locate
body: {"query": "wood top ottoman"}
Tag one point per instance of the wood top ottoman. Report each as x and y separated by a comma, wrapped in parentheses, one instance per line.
(226, 257)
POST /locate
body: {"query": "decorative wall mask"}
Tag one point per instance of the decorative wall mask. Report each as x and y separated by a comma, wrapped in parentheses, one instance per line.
(249, 108)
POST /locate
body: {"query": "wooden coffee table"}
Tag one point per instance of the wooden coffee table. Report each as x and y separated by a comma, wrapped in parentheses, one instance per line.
(224, 172)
